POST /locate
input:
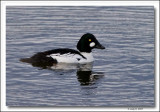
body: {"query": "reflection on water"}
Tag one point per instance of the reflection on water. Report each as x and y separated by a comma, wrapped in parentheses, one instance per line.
(88, 77)
(85, 75)
(84, 72)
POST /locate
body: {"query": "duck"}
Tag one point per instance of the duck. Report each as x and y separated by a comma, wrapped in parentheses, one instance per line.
(85, 45)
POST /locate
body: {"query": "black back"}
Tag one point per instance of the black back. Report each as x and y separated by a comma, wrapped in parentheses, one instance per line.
(63, 51)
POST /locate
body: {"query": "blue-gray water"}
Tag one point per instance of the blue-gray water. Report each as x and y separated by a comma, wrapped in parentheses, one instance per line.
(122, 74)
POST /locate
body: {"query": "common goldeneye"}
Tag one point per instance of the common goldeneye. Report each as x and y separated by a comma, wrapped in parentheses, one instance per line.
(65, 55)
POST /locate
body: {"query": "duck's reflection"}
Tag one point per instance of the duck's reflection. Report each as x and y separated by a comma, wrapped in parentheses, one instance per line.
(85, 75)
(88, 77)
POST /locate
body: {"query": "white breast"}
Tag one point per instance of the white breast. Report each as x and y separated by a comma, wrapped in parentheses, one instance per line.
(72, 58)
(89, 57)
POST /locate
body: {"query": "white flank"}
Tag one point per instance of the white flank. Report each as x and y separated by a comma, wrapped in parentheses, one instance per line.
(66, 58)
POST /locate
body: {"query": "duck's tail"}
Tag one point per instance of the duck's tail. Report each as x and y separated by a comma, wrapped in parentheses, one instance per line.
(39, 61)
(27, 60)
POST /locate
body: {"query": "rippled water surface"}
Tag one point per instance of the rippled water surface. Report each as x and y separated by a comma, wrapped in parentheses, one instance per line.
(122, 74)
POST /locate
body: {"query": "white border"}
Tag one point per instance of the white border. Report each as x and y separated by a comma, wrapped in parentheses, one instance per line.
(73, 3)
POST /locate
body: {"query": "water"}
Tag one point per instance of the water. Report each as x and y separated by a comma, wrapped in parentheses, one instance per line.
(122, 74)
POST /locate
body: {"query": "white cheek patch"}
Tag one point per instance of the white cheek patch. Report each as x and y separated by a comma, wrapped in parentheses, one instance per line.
(92, 44)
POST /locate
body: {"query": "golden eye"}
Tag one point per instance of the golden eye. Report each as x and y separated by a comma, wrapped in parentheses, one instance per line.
(89, 39)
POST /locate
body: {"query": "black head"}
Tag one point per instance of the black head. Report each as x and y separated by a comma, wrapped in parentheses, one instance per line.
(88, 42)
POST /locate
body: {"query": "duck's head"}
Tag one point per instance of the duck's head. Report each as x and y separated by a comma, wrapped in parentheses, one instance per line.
(88, 42)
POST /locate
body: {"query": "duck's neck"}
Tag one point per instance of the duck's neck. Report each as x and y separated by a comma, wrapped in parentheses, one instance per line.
(88, 56)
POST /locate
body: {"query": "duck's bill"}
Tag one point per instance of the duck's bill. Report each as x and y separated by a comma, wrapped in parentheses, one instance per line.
(99, 46)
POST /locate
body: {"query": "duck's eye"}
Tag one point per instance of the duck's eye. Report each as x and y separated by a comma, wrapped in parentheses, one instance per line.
(90, 40)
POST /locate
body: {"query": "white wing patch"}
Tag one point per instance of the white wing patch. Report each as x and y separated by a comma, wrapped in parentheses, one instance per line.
(66, 58)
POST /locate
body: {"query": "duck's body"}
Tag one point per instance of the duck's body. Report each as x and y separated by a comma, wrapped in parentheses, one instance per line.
(65, 55)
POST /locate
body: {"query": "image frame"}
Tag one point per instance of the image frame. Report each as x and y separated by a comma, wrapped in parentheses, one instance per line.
(83, 3)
